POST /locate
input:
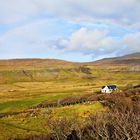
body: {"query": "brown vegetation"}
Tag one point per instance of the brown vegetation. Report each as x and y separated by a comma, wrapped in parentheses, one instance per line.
(91, 98)
(120, 122)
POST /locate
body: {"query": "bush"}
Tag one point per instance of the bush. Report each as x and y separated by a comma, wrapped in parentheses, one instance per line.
(120, 122)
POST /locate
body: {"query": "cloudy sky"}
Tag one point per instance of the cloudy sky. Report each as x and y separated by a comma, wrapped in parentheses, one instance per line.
(75, 30)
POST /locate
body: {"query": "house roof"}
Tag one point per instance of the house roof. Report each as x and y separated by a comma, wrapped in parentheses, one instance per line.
(110, 86)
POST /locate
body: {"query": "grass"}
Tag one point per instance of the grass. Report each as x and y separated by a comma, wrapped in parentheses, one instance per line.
(9, 131)
(18, 92)
(25, 123)
(20, 105)
(82, 110)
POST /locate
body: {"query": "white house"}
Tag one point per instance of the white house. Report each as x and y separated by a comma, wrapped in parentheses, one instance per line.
(109, 89)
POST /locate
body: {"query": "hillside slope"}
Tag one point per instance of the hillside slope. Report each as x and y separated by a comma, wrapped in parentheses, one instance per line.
(37, 63)
(130, 59)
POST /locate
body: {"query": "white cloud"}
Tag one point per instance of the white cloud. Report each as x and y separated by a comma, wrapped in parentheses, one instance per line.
(88, 27)
(118, 11)
(33, 39)
(89, 41)
(132, 41)
(99, 42)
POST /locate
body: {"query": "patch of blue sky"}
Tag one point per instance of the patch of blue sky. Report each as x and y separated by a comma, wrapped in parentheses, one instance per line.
(4, 28)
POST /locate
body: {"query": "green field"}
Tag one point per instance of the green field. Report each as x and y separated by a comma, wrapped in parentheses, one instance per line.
(22, 89)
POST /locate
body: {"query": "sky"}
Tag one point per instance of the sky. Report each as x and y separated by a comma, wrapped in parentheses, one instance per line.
(74, 30)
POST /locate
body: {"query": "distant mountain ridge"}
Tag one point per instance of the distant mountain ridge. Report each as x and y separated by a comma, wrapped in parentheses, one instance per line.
(35, 62)
(130, 59)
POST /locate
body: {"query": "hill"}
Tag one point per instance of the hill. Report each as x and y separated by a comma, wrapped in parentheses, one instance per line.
(34, 63)
(130, 59)
(36, 95)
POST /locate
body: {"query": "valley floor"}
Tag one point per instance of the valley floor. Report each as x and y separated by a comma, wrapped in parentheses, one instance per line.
(65, 84)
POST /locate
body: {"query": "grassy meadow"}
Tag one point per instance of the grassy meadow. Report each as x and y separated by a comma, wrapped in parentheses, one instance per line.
(23, 88)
